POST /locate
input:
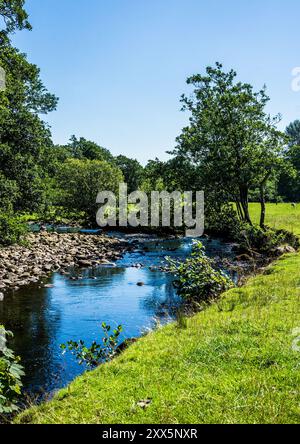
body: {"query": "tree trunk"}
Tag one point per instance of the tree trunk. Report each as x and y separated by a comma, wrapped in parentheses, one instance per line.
(245, 203)
(239, 210)
(262, 190)
(262, 206)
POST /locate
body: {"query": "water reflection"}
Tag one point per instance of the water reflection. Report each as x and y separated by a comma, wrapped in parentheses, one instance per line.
(43, 318)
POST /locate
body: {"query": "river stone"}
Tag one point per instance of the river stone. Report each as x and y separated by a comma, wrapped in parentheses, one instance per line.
(47, 252)
(283, 249)
(1, 297)
(84, 263)
(26, 275)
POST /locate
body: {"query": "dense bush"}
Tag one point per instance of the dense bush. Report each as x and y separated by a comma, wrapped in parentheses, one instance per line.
(10, 376)
(254, 238)
(220, 219)
(11, 229)
(196, 278)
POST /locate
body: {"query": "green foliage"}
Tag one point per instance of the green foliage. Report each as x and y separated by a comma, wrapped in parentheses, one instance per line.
(197, 280)
(293, 132)
(80, 181)
(24, 138)
(220, 219)
(253, 238)
(9, 192)
(85, 149)
(289, 181)
(14, 15)
(132, 171)
(177, 173)
(271, 192)
(97, 353)
(10, 375)
(11, 229)
(231, 138)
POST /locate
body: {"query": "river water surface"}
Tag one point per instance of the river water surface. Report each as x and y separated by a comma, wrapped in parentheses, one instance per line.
(43, 318)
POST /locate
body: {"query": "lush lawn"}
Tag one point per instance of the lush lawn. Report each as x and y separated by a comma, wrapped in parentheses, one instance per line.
(234, 363)
(279, 216)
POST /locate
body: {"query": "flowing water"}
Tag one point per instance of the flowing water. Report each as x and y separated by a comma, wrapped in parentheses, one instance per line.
(43, 318)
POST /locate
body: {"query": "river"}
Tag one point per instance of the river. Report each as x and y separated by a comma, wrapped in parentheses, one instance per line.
(76, 305)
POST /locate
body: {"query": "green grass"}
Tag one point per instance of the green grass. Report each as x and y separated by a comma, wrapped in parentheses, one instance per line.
(281, 216)
(234, 363)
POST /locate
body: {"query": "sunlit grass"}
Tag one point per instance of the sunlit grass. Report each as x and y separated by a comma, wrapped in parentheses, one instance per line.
(232, 363)
(281, 216)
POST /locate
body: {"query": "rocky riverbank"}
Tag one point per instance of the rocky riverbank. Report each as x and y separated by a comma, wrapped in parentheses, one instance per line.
(45, 253)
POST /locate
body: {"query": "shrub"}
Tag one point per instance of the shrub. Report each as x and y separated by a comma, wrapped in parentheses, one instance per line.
(11, 229)
(97, 353)
(254, 238)
(196, 278)
(221, 219)
(10, 376)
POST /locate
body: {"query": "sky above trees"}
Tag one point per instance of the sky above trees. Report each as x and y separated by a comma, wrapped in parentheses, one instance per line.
(120, 67)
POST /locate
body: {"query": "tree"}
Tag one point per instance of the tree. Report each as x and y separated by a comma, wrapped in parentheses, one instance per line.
(177, 173)
(80, 181)
(85, 149)
(14, 15)
(8, 194)
(293, 132)
(289, 181)
(132, 171)
(24, 137)
(230, 138)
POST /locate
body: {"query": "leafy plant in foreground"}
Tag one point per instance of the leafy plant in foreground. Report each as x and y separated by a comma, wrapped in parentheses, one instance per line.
(196, 279)
(10, 375)
(97, 353)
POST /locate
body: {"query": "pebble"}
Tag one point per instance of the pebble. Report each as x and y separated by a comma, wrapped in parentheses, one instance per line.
(46, 252)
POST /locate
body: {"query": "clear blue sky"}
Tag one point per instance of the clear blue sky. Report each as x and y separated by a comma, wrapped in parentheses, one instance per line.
(119, 66)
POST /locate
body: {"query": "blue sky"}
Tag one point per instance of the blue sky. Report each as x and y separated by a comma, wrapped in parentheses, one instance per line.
(119, 66)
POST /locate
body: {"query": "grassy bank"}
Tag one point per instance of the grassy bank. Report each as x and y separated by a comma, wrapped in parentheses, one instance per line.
(234, 363)
(281, 216)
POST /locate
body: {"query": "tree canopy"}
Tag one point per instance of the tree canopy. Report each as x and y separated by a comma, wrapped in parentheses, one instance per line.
(293, 132)
(14, 15)
(231, 138)
(24, 137)
(80, 181)
(132, 171)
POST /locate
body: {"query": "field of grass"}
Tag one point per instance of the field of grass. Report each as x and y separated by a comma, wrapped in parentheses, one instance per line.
(236, 362)
(279, 216)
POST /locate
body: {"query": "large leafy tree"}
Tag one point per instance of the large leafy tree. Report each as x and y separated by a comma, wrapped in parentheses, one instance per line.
(85, 149)
(132, 171)
(24, 137)
(80, 181)
(231, 139)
